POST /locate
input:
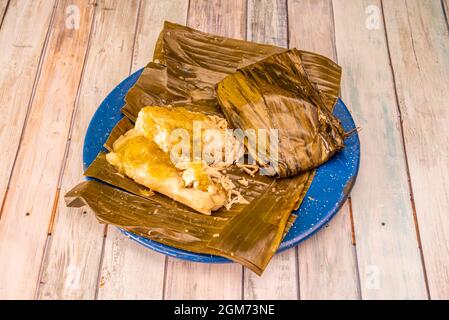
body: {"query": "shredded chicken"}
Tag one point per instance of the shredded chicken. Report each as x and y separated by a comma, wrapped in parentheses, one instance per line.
(217, 173)
(243, 182)
(250, 169)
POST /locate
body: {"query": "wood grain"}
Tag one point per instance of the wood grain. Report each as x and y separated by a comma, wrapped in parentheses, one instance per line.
(22, 37)
(131, 271)
(43, 62)
(153, 13)
(419, 48)
(225, 18)
(387, 247)
(267, 23)
(327, 262)
(28, 206)
(71, 268)
(188, 280)
(3, 6)
(279, 280)
(445, 4)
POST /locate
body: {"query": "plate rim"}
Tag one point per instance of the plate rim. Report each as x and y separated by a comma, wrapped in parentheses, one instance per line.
(206, 258)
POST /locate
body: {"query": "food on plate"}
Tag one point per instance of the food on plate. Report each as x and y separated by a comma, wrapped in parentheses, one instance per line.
(146, 154)
(226, 198)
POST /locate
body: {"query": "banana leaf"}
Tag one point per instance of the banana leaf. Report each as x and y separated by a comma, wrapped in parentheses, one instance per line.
(104, 171)
(276, 93)
(120, 129)
(162, 220)
(122, 202)
(189, 63)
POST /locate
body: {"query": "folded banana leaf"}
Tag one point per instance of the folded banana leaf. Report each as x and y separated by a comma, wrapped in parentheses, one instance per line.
(189, 63)
(102, 170)
(123, 202)
(167, 222)
(276, 93)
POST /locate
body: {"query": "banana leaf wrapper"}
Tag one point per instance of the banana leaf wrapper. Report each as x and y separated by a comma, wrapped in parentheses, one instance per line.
(189, 63)
(275, 93)
(118, 200)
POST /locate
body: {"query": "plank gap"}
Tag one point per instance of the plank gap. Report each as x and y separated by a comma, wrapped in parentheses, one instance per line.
(100, 265)
(53, 211)
(334, 35)
(287, 24)
(357, 272)
(243, 282)
(164, 283)
(351, 219)
(245, 15)
(133, 49)
(298, 282)
(4, 201)
(41, 266)
(2, 17)
(445, 7)
(189, 4)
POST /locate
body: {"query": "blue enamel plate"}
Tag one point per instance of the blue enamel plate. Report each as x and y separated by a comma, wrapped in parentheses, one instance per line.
(328, 192)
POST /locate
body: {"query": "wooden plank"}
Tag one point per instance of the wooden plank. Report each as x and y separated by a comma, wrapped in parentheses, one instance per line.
(129, 270)
(446, 11)
(279, 280)
(327, 262)
(28, 206)
(188, 280)
(267, 23)
(71, 268)
(225, 18)
(153, 13)
(387, 247)
(419, 48)
(22, 37)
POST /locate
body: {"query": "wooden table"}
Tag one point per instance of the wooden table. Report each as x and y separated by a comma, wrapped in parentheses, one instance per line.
(59, 59)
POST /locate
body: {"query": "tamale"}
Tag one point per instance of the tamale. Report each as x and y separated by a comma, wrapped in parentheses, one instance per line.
(275, 93)
(189, 63)
(145, 153)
